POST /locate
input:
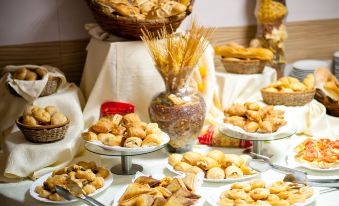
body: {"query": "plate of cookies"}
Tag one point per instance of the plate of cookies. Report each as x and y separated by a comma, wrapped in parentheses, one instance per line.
(91, 178)
(251, 120)
(215, 165)
(265, 193)
(125, 133)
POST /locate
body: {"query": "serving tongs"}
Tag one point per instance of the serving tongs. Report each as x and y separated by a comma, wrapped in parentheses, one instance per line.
(292, 175)
(80, 196)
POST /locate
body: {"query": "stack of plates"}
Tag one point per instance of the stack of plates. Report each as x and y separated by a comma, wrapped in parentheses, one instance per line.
(336, 64)
(304, 67)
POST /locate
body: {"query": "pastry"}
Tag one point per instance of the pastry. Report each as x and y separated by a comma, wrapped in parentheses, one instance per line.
(152, 140)
(29, 120)
(191, 158)
(130, 118)
(58, 119)
(136, 132)
(218, 155)
(232, 159)
(207, 163)
(291, 84)
(182, 166)
(84, 174)
(215, 173)
(195, 170)
(110, 139)
(173, 159)
(104, 125)
(89, 136)
(133, 142)
(233, 172)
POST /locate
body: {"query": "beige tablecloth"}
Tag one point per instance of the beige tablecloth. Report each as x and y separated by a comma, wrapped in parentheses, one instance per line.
(21, 158)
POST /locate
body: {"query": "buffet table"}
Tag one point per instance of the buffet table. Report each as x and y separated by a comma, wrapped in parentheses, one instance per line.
(154, 164)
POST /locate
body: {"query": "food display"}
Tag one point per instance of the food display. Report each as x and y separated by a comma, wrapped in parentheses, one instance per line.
(125, 131)
(253, 118)
(322, 153)
(38, 116)
(237, 59)
(328, 82)
(87, 175)
(180, 110)
(271, 31)
(166, 191)
(29, 74)
(144, 9)
(257, 192)
(289, 91)
(215, 164)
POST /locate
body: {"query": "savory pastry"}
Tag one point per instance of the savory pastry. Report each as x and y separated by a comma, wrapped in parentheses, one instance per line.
(215, 173)
(256, 193)
(29, 120)
(85, 174)
(173, 159)
(89, 136)
(232, 159)
(233, 172)
(195, 170)
(130, 118)
(133, 142)
(58, 119)
(152, 140)
(191, 158)
(41, 115)
(217, 155)
(51, 109)
(137, 132)
(207, 163)
(104, 125)
(253, 118)
(182, 166)
(175, 192)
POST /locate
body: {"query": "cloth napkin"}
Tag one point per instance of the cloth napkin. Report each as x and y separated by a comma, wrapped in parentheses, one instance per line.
(25, 159)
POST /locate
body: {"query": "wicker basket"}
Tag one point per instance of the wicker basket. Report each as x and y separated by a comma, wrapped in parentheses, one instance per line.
(50, 88)
(288, 99)
(243, 66)
(130, 28)
(332, 106)
(43, 134)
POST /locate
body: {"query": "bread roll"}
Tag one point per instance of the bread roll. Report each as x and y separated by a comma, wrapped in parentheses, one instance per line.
(29, 120)
(20, 74)
(31, 76)
(58, 119)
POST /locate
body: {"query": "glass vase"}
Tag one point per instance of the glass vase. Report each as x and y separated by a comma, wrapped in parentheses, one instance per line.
(271, 30)
(180, 112)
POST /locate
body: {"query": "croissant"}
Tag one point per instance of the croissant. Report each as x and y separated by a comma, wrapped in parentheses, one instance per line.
(244, 53)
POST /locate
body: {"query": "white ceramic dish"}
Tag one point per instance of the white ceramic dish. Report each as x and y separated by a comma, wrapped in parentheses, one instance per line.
(213, 198)
(108, 181)
(229, 180)
(309, 64)
(138, 174)
(165, 140)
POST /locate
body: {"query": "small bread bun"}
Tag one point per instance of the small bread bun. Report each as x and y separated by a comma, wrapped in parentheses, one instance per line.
(31, 76)
(20, 74)
(41, 72)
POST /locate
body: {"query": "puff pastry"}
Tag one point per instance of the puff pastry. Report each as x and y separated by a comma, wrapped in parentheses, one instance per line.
(104, 125)
(133, 142)
(215, 173)
(218, 155)
(89, 136)
(152, 140)
(192, 158)
(173, 159)
(207, 163)
(233, 172)
(182, 166)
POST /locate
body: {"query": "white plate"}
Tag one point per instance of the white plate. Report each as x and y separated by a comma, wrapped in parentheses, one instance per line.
(122, 191)
(165, 140)
(239, 133)
(213, 198)
(296, 163)
(108, 181)
(229, 180)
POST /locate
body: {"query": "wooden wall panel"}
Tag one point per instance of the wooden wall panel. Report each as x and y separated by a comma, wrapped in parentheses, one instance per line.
(308, 39)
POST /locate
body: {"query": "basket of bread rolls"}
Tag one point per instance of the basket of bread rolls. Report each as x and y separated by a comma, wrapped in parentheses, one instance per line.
(43, 125)
(126, 18)
(34, 74)
(240, 60)
(289, 91)
(327, 91)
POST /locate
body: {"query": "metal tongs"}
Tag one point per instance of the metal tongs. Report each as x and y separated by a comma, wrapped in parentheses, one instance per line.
(292, 175)
(84, 198)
